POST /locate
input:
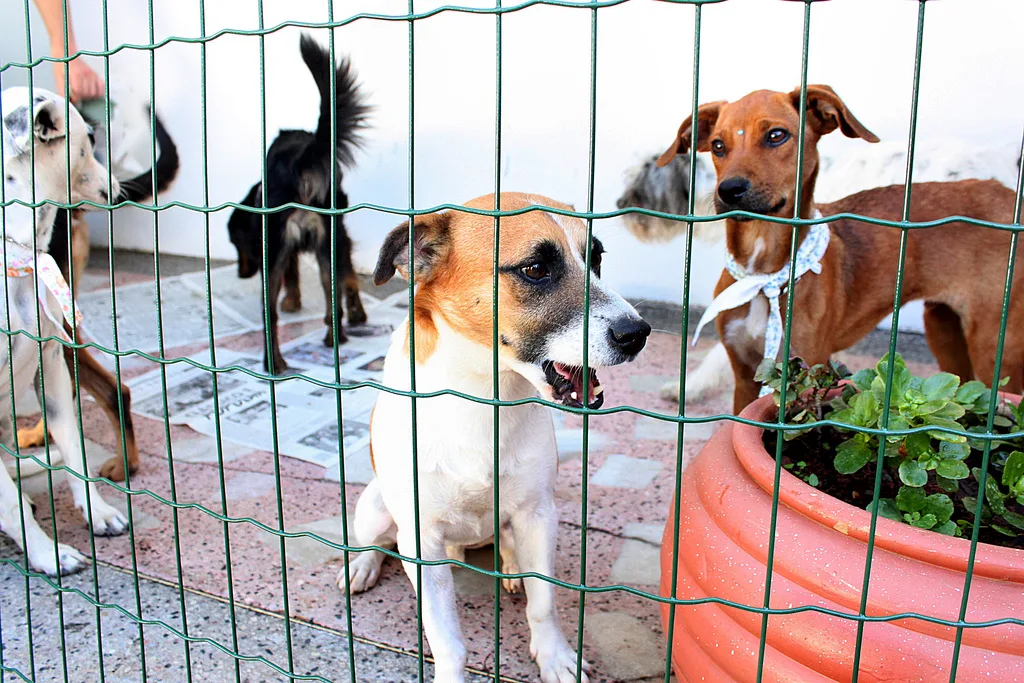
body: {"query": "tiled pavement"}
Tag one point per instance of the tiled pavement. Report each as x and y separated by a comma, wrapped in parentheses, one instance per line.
(631, 468)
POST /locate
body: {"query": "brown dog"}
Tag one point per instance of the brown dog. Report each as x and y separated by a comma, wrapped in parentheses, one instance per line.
(957, 269)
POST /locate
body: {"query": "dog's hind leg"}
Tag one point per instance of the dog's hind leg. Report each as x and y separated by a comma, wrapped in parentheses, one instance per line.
(945, 336)
(292, 300)
(275, 279)
(60, 414)
(103, 386)
(373, 526)
(323, 259)
(507, 549)
(16, 510)
(354, 310)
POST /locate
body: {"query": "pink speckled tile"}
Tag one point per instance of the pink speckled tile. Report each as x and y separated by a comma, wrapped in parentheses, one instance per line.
(388, 612)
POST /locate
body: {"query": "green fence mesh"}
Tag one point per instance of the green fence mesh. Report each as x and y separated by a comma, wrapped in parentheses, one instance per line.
(134, 611)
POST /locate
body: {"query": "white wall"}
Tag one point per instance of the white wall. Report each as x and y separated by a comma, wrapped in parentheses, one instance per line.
(971, 91)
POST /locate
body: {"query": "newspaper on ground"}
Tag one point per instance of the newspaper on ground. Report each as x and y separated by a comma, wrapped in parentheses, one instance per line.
(306, 420)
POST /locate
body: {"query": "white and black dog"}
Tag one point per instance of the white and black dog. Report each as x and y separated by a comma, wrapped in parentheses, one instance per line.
(541, 316)
(38, 141)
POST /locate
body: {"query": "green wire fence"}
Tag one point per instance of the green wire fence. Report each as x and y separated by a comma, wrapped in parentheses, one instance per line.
(223, 514)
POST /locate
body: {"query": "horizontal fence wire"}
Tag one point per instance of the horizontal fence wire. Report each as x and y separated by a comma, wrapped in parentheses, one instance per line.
(680, 418)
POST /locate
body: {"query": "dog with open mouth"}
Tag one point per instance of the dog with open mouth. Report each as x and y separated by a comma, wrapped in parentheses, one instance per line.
(541, 262)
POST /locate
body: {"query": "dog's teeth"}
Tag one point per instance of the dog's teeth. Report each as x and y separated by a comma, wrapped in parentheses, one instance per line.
(573, 396)
(598, 390)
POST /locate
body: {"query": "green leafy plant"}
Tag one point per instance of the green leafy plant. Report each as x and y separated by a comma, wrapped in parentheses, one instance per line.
(929, 470)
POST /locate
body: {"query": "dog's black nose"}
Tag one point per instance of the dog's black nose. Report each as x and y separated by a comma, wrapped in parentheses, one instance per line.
(629, 335)
(731, 190)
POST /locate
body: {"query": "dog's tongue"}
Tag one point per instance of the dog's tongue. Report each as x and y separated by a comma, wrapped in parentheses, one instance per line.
(595, 392)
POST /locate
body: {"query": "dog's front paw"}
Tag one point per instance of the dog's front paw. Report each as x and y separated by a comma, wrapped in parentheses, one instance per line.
(557, 661)
(106, 520)
(511, 585)
(291, 304)
(670, 391)
(66, 561)
(363, 572)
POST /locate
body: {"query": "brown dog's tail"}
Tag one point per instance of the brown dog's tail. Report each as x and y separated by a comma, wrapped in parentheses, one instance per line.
(141, 187)
(350, 109)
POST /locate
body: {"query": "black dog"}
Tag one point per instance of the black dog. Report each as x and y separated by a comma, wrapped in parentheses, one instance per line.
(299, 171)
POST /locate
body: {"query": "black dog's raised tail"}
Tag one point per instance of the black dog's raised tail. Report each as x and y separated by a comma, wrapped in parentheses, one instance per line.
(140, 188)
(351, 111)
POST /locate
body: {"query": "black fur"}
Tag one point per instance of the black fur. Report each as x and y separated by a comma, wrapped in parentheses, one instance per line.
(298, 171)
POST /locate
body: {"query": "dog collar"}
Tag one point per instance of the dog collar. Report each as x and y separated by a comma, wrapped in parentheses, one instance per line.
(749, 285)
(21, 261)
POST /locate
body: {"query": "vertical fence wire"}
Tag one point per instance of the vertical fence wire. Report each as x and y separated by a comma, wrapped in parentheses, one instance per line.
(161, 350)
(335, 331)
(117, 359)
(65, 26)
(684, 347)
(271, 347)
(29, 641)
(893, 336)
(218, 436)
(787, 336)
(495, 387)
(412, 349)
(586, 384)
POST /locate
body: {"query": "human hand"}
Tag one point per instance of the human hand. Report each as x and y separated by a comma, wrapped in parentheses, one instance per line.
(84, 82)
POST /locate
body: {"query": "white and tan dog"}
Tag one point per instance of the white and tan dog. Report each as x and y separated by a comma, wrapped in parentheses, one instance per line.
(35, 130)
(541, 279)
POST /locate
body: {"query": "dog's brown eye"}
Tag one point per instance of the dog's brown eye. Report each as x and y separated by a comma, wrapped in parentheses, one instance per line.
(776, 136)
(535, 271)
(718, 148)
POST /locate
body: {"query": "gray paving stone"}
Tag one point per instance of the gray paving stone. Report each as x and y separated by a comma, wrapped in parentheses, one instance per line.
(639, 563)
(316, 652)
(204, 449)
(663, 430)
(249, 485)
(628, 649)
(309, 552)
(358, 468)
(570, 443)
(622, 471)
(651, 533)
(649, 384)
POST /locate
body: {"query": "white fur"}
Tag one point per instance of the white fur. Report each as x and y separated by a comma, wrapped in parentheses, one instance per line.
(454, 440)
(88, 182)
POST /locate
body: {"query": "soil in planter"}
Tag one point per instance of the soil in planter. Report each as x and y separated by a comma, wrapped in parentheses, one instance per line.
(816, 450)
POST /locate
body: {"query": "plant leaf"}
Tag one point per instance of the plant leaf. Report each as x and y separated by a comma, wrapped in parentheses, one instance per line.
(946, 424)
(994, 497)
(812, 479)
(851, 455)
(1013, 468)
(969, 392)
(910, 499)
(954, 451)
(947, 485)
(925, 522)
(862, 378)
(953, 469)
(941, 386)
(1002, 530)
(948, 528)
(919, 446)
(887, 509)
(912, 474)
(1013, 518)
(940, 505)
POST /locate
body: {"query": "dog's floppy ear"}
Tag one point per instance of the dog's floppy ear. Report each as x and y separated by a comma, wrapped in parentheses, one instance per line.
(430, 248)
(707, 116)
(826, 112)
(47, 123)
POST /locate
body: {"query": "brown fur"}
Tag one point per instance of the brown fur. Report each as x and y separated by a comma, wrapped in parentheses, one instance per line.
(456, 281)
(92, 376)
(957, 269)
